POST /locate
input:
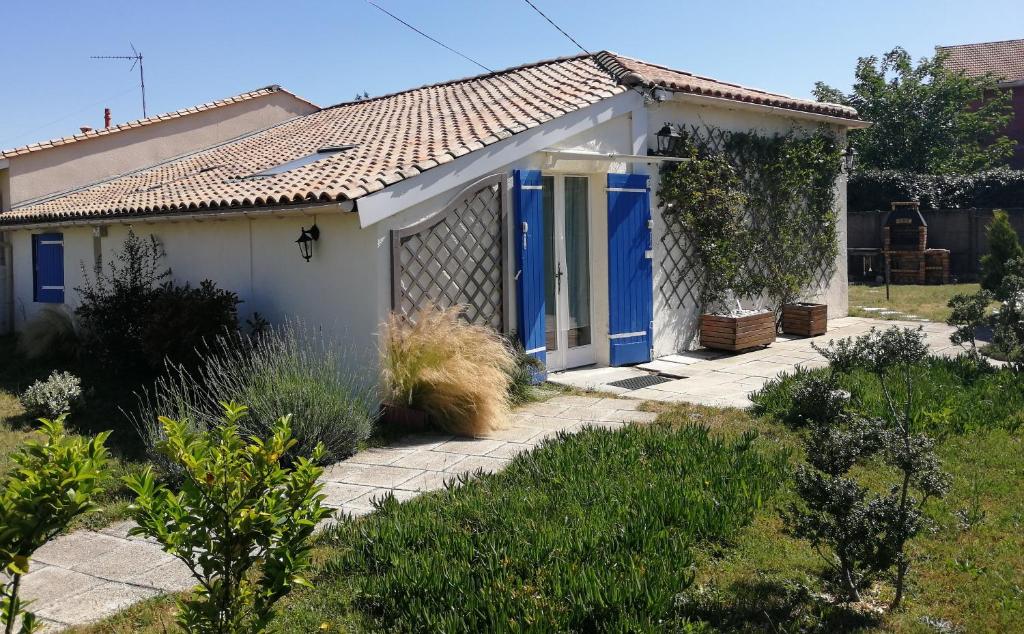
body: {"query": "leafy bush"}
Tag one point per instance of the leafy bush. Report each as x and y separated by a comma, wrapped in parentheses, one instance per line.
(817, 399)
(54, 396)
(703, 195)
(869, 190)
(456, 372)
(51, 334)
(868, 537)
(182, 318)
(590, 532)
(53, 482)
(1003, 246)
(241, 523)
(289, 369)
(133, 317)
(951, 395)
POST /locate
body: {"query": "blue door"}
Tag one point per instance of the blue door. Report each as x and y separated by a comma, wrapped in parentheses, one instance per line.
(630, 282)
(48, 268)
(529, 245)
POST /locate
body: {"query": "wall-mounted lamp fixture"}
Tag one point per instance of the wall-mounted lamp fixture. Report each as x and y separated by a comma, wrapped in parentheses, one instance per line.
(306, 240)
(668, 137)
(849, 158)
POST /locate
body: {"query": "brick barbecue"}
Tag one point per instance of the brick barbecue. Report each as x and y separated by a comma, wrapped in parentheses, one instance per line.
(905, 246)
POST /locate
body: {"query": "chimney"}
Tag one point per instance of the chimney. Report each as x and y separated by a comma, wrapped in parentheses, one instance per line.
(85, 129)
(106, 117)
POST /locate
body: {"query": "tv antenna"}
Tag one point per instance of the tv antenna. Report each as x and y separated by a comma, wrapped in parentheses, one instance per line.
(136, 60)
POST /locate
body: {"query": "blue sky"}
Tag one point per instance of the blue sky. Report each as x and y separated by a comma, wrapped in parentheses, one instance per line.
(327, 50)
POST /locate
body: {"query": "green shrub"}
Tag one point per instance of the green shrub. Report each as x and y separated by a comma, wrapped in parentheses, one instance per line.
(51, 334)
(289, 369)
(590, 532)
(241, 523)
(458, 373)
(868, 537)
(951, 395)
(54, 396)
(53, 481)
(133, 318)
(1003, 246)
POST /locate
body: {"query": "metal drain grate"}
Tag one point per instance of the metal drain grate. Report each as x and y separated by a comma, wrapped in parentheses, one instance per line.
(638, 382)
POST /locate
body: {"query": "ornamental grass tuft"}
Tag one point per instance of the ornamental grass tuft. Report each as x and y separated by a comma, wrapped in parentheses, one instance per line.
(458, 373)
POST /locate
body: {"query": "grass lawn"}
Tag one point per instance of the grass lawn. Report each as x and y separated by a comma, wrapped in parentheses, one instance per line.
(928, 301)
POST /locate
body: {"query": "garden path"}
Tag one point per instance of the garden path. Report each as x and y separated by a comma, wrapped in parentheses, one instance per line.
(88, 575)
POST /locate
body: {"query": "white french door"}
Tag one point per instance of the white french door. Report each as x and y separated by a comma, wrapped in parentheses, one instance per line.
(567, 300)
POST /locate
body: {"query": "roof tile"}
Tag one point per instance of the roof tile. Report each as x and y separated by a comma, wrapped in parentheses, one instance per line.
(392, 137)
(1004, 60)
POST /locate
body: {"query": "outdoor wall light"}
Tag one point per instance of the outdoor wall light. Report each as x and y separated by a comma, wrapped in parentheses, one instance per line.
(668, 136)
(306, 239)
(849, 158)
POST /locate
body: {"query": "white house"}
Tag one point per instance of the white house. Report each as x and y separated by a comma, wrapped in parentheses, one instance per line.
(524, 194)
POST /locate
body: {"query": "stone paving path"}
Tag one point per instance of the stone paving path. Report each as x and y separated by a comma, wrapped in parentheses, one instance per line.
(85, 576)
(722, 379)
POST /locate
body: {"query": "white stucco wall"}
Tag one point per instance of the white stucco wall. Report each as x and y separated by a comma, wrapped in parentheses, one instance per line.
(256, 258)
(72, 165)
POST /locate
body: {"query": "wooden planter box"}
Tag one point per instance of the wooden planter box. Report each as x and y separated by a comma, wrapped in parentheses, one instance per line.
(805, 320)
(403, 418)
(722, 332)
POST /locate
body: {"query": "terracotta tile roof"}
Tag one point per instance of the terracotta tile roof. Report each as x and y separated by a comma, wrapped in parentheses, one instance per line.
(388, 139)
(138, 123)
(1005, 59)
(629, 70)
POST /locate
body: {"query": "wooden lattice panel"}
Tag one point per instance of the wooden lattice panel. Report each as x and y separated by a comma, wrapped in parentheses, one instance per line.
(455, 257)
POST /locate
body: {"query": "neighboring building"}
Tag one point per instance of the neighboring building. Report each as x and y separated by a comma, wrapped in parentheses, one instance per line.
(524, 194)
(1004, 61)
(32, 173)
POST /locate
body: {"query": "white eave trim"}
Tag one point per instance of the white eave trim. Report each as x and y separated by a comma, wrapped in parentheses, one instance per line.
(297, 210)
(723, 102)
(557, 154)
(404, 194)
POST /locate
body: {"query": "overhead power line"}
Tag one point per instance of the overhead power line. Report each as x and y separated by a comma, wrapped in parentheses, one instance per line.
(560, 29)
(432, 39)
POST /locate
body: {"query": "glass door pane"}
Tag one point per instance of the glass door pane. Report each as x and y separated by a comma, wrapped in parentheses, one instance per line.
(577, 260)
(550, 264)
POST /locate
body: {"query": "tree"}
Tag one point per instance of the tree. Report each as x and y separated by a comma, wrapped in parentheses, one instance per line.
(241, 523)
(926, 118)
(1003, 246)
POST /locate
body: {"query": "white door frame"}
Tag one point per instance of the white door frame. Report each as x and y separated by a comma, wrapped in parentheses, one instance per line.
(563, 357)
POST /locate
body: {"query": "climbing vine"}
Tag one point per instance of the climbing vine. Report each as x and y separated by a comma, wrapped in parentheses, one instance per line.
(762, 212)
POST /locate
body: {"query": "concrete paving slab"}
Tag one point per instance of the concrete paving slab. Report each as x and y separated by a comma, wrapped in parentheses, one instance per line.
(470, 446)
(369, 475)
(96, 603)
(338, 493)
(665, 368)
(433, 460)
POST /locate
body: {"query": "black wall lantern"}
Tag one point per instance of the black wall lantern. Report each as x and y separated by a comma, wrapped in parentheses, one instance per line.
(849, 158)
(668, 137)
(306, 239)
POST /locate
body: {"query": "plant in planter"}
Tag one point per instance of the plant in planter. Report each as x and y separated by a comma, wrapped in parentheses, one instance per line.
(703, 195)
(789, 183)
(436, 367)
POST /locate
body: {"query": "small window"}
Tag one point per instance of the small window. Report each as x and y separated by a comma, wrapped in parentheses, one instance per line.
(48, 268)
(322, 153)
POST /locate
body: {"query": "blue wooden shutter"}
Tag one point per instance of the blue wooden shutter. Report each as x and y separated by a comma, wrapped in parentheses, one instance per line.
(630, 285)
(529, 246)
(48, 262)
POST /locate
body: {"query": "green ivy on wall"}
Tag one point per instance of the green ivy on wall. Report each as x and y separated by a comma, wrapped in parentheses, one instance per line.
(760, 214)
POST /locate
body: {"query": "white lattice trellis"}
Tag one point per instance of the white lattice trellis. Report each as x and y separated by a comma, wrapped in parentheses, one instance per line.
(454, 257)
